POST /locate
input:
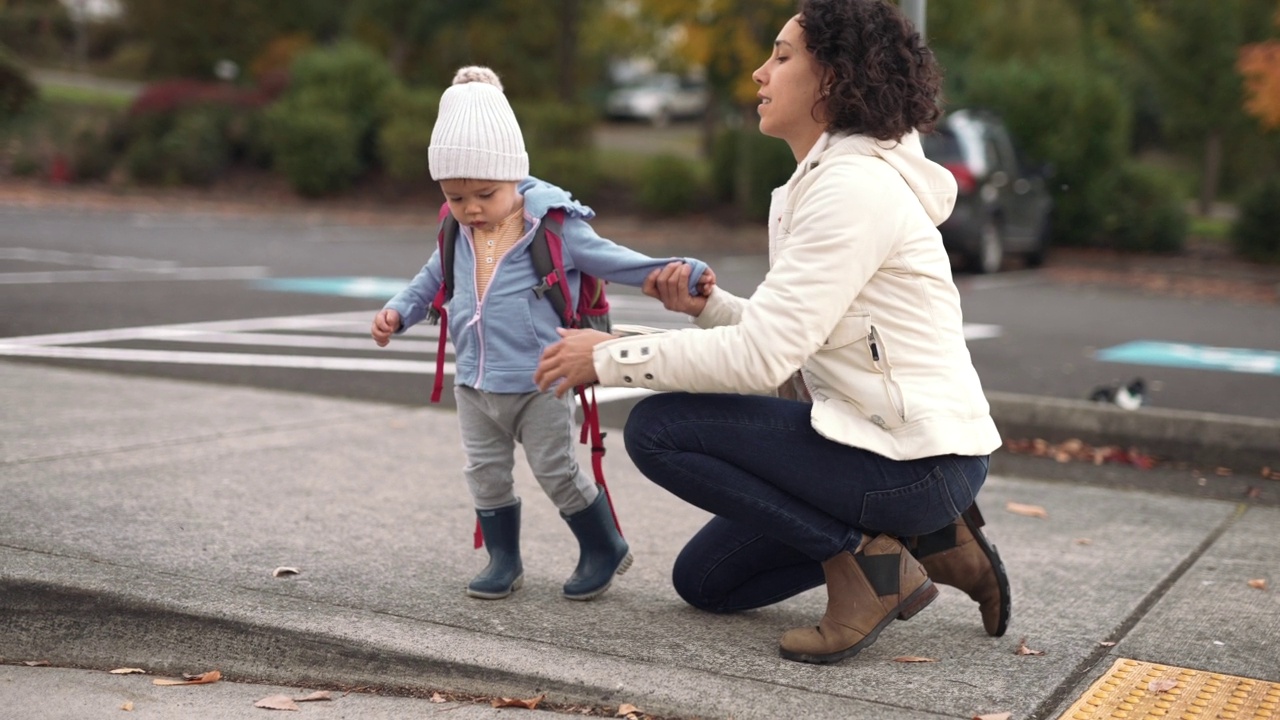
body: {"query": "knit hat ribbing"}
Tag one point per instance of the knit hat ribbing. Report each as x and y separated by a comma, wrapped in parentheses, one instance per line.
(476, 135)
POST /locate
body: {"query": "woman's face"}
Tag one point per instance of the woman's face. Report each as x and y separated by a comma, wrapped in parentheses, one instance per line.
(790, 86)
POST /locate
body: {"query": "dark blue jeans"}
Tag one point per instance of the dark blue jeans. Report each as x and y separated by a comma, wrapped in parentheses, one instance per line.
(785, 498)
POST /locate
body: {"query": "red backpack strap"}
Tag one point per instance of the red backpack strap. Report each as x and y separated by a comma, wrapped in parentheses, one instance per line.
(591, 422)
(547, 251)
(446, 238)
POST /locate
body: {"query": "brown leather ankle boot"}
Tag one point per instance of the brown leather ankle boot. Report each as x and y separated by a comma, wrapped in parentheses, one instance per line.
(960, 556)
(865, 591)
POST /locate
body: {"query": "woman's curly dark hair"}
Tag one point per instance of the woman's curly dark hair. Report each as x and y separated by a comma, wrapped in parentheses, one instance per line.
(886, 81)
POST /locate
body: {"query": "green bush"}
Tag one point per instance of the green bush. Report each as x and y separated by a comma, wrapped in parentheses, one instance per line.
(1065, 114)
(92, 155)
(1145, 211)
(577, 171)
(196, 149)
(669, 185)
(405, 134)
(144, 161)
(347, 79)
(317, 150)
(1256, 235)
(17, 91)
(555, 126)
(746, 167)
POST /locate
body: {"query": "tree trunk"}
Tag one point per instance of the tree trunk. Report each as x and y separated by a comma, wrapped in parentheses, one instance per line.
(570, 11)
(1212, 169)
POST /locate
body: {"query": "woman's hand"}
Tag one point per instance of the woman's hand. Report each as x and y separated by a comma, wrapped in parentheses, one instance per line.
(670, 284)
(570, 362)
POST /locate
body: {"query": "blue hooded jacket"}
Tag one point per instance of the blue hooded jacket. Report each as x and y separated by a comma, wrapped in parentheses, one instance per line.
(499, 338)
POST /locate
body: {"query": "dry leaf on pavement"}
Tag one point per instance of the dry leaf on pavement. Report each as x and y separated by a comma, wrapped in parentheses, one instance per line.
(128, 671)
(913, 659)
(1258, 583)
(212, 676)
(626, 709)
(278, 572)
(530, 704)
(1034, 511)
(36, 663)
(1084, 541)
(277, 702)
(315, 696)
(1159, 686)
(438, 698)
(1024, 650)
(1107, 643)
(127, 706)
(993, 716)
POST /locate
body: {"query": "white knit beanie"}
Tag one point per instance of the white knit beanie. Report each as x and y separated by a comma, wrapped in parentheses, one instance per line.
(476, 136)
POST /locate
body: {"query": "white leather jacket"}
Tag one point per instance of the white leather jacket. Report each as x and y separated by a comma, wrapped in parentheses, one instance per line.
(859, 297)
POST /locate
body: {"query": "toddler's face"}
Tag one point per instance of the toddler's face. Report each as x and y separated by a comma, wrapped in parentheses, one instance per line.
(480, 203)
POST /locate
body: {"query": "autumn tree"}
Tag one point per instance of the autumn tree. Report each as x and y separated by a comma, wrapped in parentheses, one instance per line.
(1192, 48)
(1259, 64)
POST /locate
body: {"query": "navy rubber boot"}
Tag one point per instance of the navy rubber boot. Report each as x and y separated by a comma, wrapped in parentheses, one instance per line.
(602, 551)
(505, 573)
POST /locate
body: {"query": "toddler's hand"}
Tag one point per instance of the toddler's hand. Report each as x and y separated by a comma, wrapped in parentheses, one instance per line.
(706, 282)
(385, 324)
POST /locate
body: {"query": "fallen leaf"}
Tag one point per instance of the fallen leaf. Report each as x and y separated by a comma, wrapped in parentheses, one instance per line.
(1024, 650)
(626, 709)
(993, 716)
(913, 659)
(284, 571)
(1027, 510)
(36, 663)
(437, 698)
(127, 706)
(212, 676)
(1084, 541)
(277, 702)
(1222, 472)
(1159, 686)
(529, 704)
(1258, 583)
(1107, 643)
(128, 671)
(315, 696)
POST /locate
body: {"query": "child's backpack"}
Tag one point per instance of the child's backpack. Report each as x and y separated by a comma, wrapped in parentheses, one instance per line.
(591, 311)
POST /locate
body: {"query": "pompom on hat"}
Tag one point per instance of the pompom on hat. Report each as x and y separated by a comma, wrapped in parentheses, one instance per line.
(476, 136)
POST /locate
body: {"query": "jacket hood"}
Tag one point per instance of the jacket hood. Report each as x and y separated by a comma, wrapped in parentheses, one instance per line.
(933, 184)
(541, 196)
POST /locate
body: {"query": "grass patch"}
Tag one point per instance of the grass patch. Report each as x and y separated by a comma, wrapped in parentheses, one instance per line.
(85, 97)
(1210, 228)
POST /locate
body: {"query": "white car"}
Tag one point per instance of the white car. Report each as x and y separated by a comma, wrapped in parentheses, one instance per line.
(658, 99)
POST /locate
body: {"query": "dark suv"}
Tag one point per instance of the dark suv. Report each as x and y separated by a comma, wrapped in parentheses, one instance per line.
(1003, 207)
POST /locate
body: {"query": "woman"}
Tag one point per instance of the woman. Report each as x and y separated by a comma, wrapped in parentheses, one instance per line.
(858, 316)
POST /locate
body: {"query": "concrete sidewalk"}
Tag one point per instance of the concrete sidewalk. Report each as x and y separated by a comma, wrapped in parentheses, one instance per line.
(142, 519)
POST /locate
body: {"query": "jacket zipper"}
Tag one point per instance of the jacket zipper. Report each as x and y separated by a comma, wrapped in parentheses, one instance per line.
(895, 393)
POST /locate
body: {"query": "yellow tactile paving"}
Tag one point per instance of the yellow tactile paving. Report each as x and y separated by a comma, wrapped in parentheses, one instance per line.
(1135, 690)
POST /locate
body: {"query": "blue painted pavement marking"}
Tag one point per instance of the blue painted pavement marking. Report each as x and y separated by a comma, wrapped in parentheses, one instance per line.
(1197, 357)
(357, 287)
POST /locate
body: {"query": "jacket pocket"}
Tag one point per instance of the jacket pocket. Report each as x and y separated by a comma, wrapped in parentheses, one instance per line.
(918, 508)
(880, 358)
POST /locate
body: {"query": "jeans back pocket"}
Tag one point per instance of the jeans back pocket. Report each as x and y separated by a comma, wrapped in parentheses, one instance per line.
(921, 507)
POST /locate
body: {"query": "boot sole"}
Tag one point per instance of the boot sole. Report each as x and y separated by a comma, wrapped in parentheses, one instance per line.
(482, 595)
(914, 603)
(622, 568)
(974, 520)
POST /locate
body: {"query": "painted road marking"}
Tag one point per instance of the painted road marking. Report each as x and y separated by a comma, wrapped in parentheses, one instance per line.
(1197, 357)
(113, 268)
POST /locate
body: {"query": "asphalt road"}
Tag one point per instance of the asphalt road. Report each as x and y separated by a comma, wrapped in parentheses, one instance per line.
(284, 302)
